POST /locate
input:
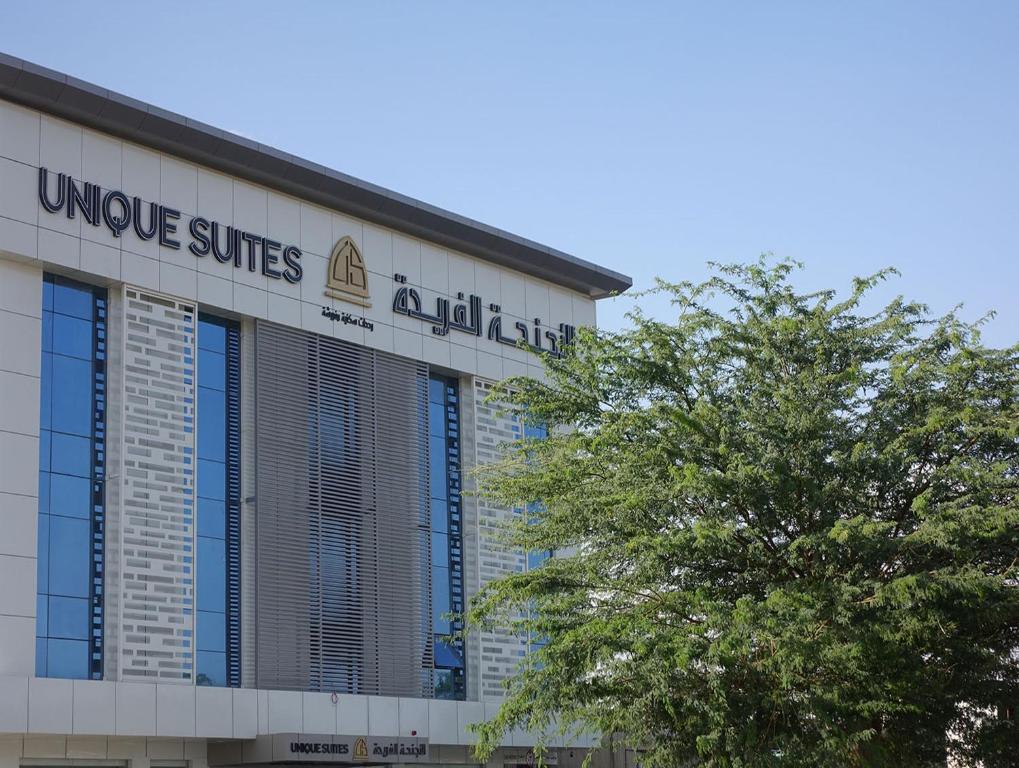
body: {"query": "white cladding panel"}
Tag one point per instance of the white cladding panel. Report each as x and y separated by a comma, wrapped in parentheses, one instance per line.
(157, 504)
(29, 139)
(20, 333)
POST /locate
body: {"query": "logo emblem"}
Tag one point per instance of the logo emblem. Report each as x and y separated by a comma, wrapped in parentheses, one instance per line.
(360, 749)
(347, 278)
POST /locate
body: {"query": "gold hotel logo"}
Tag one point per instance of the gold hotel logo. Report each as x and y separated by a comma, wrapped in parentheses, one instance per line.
(347, 278)
(360, 749)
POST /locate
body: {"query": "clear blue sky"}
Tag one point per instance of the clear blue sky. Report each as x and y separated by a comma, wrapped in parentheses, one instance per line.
(648, 137)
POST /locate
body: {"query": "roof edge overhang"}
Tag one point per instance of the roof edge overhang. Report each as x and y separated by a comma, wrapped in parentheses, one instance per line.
(72, 99)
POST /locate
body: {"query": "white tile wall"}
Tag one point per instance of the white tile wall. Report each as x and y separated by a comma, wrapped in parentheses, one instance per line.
(215, 196)
(59, 248)
(20, 308)
(50, 704)
(377, 250)
(383, 716)
(245, 713)
(285, 711)
(352, 714)
(414, 717)
(19, 134)
(443, 727)
(179, 282)
(94, 708)
(17, 393)
(178, 185)
(263, 711)
(316, 231)
(139, 270)
(469, 713)
(101, 260)
(13, 704)
(17, 638)
(318, 713)
(136, 709)
(18, 240)
(162, 721)
(407, 258)
(102, 160)
(284, 310)
(435, 269)
(60, 146)
(175, 710)
(216, 291)
(15, 201)
(214, 714)
(17, 577)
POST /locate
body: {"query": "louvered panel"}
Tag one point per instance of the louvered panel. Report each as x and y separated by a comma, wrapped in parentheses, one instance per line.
(285, 498)
(249, 489)
(403, 523)
(346, 514)
(341, 517)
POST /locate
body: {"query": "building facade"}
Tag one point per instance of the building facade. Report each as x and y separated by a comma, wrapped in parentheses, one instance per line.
(239, 396)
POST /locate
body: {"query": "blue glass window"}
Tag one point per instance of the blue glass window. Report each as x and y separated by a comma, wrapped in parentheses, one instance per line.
(217, 640)
(211, 574)
(212, 668)
(70, 496)
(72, 390)
(212, 518)
(72, 408)
(68, 617)
(211, 368)
(212, 631)
(71, 455)
(211, 475)
(448, 679)
(212, 406)
(69, 556)
(440, 600)
(67, 658)
(72, 336)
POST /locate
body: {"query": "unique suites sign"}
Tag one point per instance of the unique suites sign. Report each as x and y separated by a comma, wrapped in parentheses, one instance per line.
(283, 748)
(346, 278)
(119, 213)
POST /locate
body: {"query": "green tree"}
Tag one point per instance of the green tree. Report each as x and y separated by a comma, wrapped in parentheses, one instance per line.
(792, 526)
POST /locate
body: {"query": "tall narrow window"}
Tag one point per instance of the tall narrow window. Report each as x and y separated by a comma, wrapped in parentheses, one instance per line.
(72, 460)
(217, 640)
(447, 535)
(535, 557)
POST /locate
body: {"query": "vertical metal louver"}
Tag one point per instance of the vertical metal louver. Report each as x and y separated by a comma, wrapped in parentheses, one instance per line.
(233, 506)
(343, 600)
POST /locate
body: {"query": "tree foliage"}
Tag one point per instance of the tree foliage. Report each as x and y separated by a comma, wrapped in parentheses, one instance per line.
(787, 533)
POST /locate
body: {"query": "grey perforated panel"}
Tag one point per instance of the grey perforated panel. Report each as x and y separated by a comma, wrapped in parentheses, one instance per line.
(343, 601)
(154, 503)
